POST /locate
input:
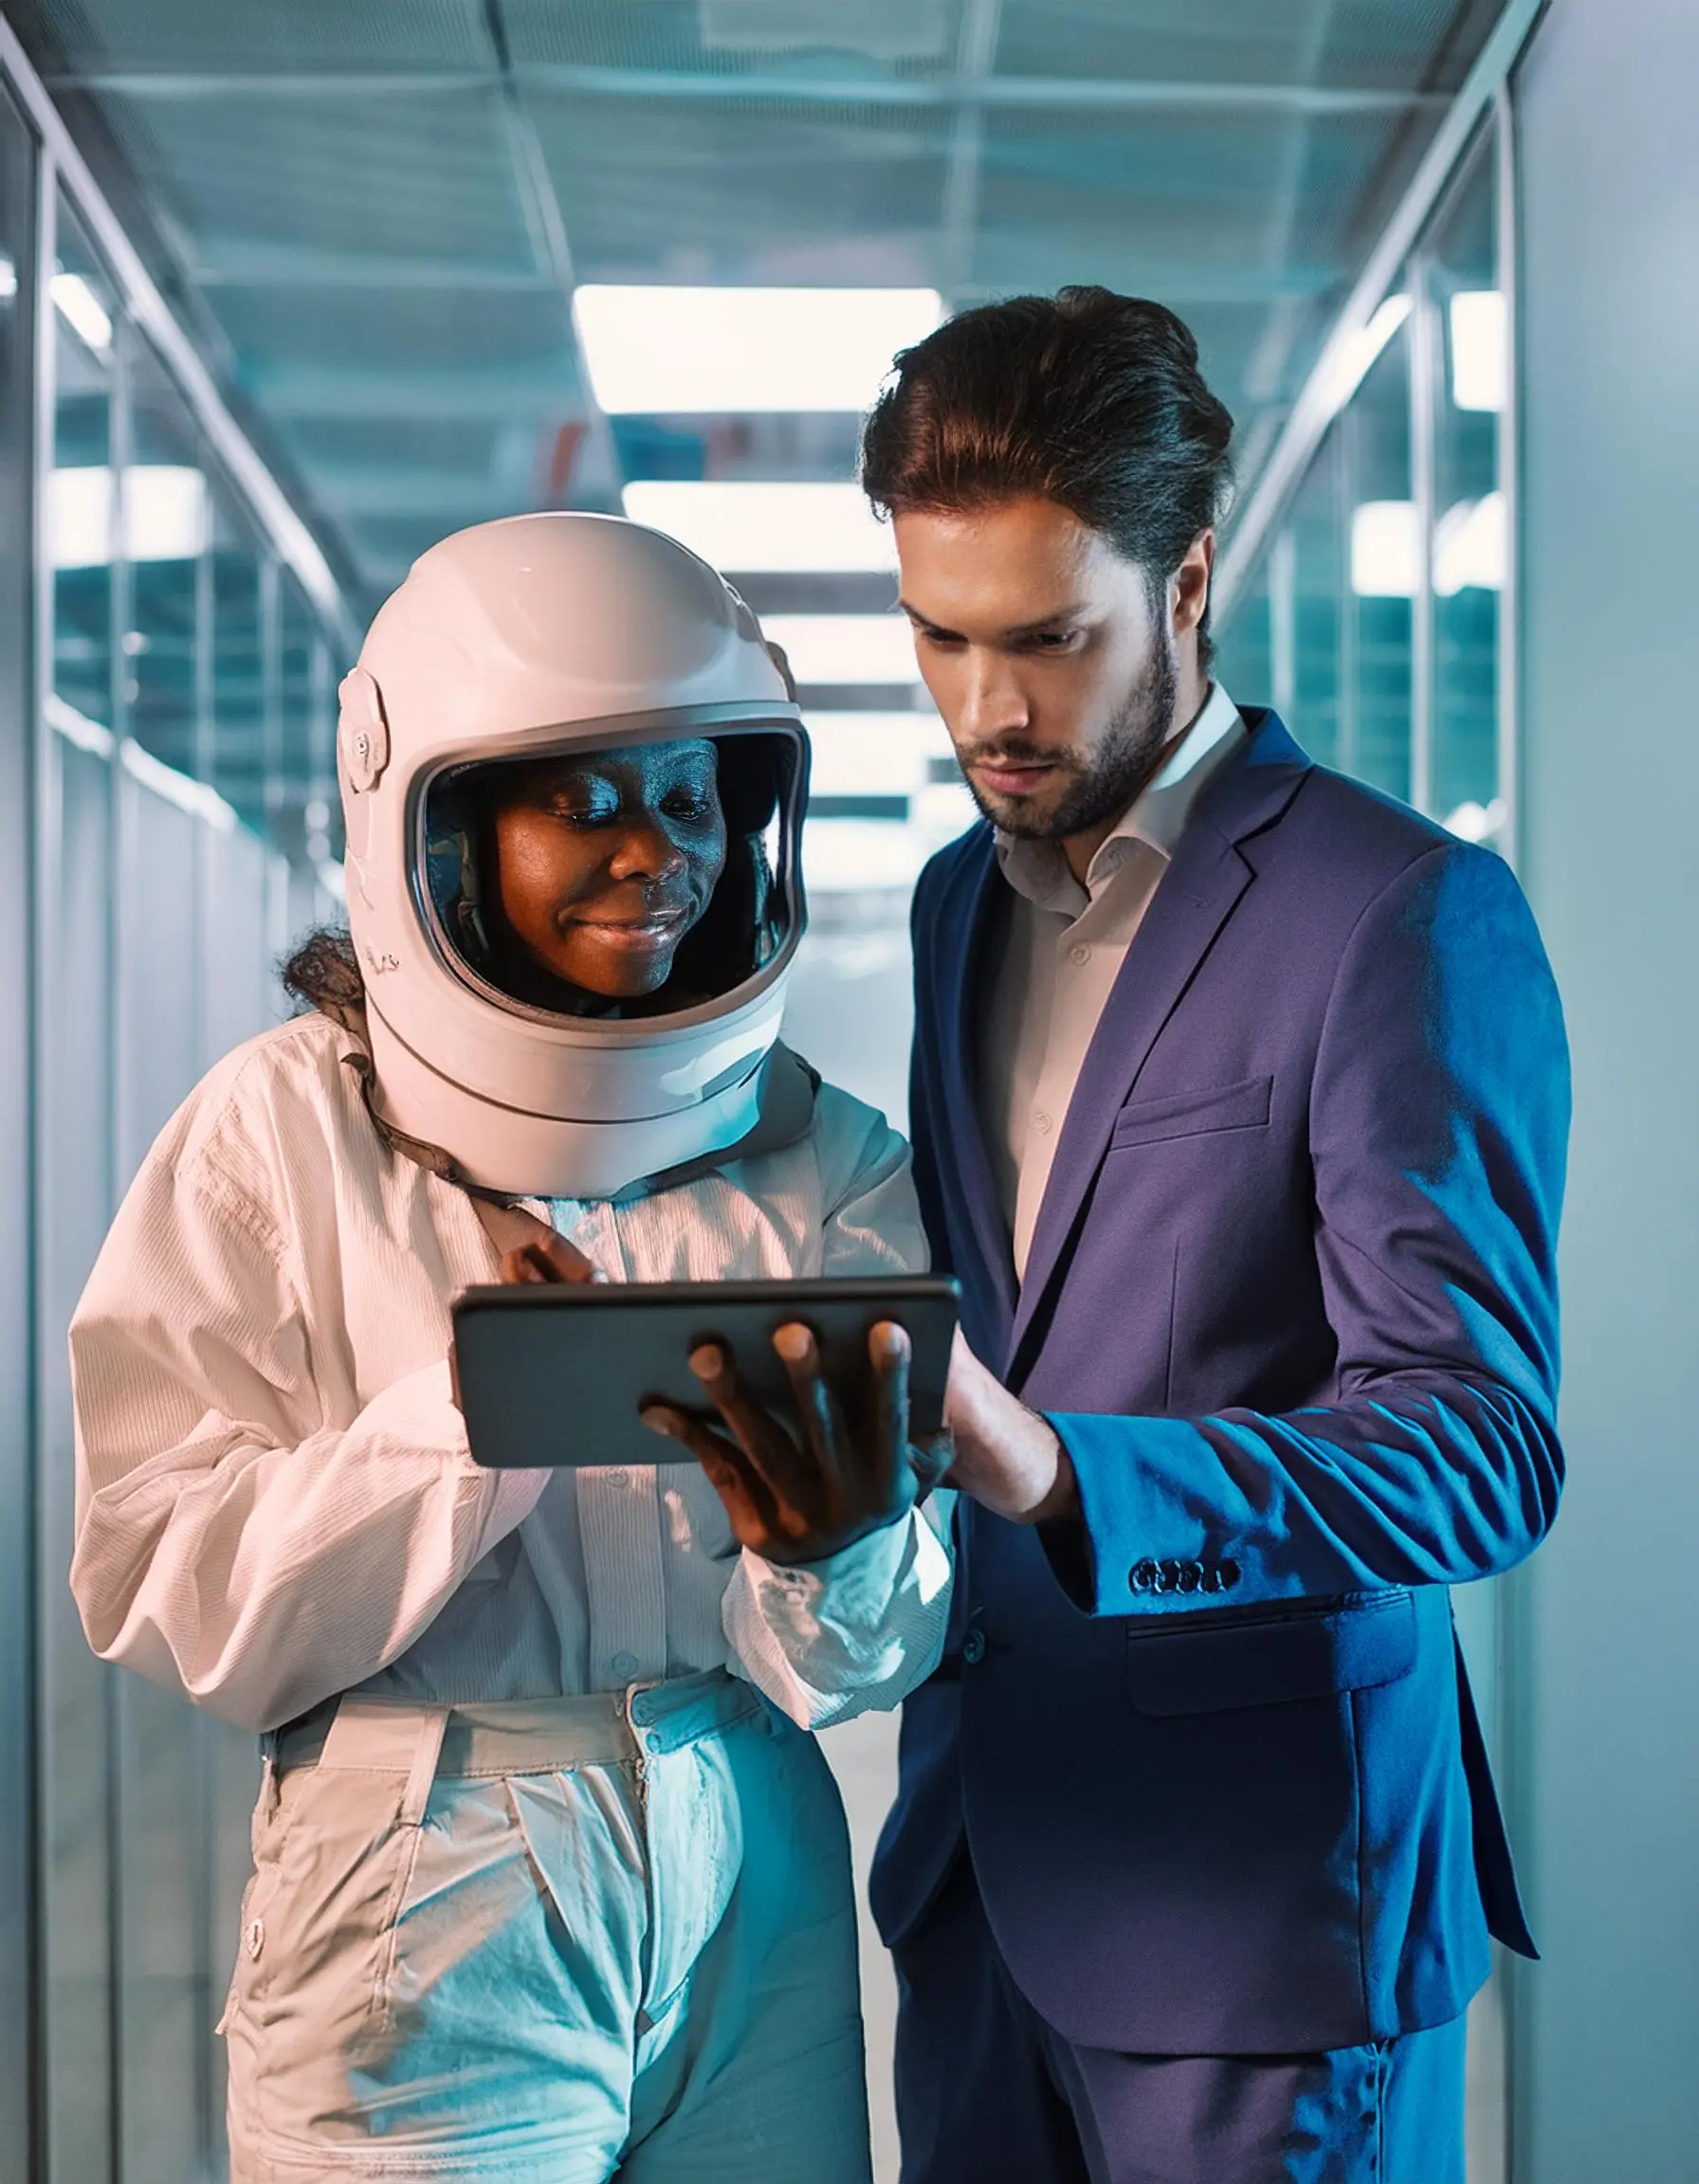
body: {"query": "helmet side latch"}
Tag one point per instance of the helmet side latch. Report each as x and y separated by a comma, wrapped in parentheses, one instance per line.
(364, 732)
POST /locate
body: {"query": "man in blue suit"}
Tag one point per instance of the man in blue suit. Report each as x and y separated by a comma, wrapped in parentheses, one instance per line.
(1239, 1108)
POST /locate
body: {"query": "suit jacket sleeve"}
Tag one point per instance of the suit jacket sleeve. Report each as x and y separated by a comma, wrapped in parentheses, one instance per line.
(1438, 1123)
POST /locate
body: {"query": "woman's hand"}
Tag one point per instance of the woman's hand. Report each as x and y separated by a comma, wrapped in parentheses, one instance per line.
(543, 1257)
(798, 1495)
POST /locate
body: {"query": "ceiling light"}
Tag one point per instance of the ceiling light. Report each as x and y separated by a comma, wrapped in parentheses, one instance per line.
(1480, 348)
(8, 278)
(846, 647)
(666, 351)
(1358, 351)
(829, 529)
(1472, 547)
(1385, 550)
(81, 309)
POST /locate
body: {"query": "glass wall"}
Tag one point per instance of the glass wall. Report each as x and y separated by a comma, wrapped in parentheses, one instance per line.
(1374, 623)
(1373, 620)
(167, 734)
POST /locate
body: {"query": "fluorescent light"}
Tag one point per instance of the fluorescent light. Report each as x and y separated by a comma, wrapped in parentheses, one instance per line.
(81, 309)
(1385, 550)
(846, 647)
(1471, 546)
(824, 528)
(1358, 351)
(873, 754)
(167, 514)
(718, 350)
(8, 278)
(1480, 348)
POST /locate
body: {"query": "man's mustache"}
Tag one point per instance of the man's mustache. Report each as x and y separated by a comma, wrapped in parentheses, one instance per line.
(1017, 752)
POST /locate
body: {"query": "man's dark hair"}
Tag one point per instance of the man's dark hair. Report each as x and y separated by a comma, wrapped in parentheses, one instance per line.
(1085, 398)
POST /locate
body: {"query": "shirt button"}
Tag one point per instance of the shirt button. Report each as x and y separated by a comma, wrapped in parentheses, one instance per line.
(616, 1479)
(624, 1663)
(1041, 1122)
(1080, 953)
(255, 1937)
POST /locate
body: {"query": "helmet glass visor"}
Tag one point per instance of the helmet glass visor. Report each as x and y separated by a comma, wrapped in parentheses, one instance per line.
(639, 880)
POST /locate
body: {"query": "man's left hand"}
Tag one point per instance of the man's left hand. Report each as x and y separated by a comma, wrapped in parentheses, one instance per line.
(1006, 1457)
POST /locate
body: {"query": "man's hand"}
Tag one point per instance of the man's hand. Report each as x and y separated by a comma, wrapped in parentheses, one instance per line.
(799, 1494)
(1005, 1456)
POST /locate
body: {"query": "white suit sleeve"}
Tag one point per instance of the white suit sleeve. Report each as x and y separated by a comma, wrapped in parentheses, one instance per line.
(825, 1641)
(229, 1542)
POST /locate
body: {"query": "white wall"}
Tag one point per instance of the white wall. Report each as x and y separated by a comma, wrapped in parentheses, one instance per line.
(1608, 1670)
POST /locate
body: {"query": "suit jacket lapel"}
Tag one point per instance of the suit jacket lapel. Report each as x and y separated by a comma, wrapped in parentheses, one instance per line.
(1193, 902)
(961, 965)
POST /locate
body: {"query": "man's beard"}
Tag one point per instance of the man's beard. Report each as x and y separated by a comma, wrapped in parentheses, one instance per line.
(1098, 788)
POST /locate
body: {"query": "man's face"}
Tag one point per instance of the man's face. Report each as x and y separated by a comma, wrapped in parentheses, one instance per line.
(1056, 672)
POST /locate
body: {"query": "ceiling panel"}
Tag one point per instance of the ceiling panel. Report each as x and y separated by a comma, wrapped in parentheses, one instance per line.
(743, 191)
(735, 36)
(414, 177)
(258, 34)
(1360, 45)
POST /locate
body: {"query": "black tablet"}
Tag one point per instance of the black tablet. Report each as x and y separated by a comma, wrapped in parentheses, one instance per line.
(555, 1372)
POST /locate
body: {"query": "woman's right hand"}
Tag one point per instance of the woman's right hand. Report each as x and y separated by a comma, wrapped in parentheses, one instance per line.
(545, 1257)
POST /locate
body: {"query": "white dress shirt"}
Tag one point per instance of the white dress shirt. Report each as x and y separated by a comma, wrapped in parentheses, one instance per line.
(275, 1498)
(1063, 948)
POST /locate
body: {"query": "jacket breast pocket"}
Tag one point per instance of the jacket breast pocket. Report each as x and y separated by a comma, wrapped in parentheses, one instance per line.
(1243, 1106)
(1308, 1651)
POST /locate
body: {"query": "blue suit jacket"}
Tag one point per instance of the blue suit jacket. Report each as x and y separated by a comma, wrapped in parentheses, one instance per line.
(1290, 1304)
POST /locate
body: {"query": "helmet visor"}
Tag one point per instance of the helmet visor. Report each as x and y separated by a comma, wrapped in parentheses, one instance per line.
(643, 879)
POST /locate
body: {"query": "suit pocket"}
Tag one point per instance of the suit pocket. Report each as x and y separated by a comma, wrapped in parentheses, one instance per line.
(1307, 1651)
(1242, 1106)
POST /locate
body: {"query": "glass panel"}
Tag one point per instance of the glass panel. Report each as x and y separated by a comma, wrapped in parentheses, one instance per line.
(164, 525)
(237, 666)
(76, 1196)
(1471, 537)
(1384, 560)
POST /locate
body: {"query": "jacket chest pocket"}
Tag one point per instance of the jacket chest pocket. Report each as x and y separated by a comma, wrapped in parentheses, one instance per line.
(1221, 1108)
(1309, 1650)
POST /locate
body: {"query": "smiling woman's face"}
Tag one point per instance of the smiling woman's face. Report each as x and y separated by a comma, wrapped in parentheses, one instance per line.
(605, 861)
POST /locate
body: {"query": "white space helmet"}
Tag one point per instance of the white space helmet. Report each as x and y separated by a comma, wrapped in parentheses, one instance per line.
(552, 636)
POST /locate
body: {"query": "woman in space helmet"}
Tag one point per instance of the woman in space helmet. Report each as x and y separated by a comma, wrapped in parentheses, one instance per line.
(550, 1880)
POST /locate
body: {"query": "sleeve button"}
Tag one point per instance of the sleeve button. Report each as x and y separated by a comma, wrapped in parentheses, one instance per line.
(1229, 1575)
(1190, 1577)
(1143, 1576)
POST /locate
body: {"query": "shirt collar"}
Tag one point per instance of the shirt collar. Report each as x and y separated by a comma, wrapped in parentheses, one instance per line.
(1157, 816)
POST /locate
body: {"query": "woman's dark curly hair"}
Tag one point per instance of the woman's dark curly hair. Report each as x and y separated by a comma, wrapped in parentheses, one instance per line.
(324, 972)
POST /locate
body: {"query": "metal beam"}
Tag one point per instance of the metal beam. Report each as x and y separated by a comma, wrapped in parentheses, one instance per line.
(1318, 402)
(1056, 92)
(977, 55)
(282, 522)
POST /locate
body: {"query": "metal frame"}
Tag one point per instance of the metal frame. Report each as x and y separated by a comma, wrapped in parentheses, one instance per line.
(61, 161)
(1319, 401)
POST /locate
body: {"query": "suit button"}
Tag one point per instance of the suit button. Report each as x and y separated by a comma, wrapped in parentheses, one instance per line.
(973, 1648)
(1230, 1574)
(1143, 1576)
(1159, 1577)
(1213, 1579)
(1190, 1577)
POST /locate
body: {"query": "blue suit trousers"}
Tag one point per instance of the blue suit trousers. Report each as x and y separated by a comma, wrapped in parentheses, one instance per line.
(987, 2090)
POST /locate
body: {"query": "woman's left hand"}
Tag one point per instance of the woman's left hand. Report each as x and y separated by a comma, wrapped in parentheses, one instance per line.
(799, 1494)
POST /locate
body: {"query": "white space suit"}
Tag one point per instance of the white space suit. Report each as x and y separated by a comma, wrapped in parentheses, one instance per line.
(549, 1881)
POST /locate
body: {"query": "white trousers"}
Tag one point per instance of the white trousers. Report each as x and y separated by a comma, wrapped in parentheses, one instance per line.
(551, 1942)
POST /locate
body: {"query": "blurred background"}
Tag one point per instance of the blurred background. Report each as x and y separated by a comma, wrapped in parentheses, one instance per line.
(290, 288)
